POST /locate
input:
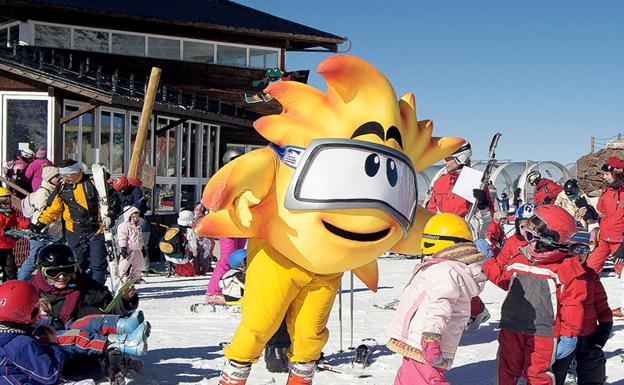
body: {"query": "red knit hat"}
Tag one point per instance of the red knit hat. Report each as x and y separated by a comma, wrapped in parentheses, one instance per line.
(614, 164)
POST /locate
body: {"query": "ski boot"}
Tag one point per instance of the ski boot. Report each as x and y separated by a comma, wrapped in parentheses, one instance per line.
(475, 322)
(275, 359)
(235, 373)
(128, 325)
(301, 373)
(132, 344)
(113, 366)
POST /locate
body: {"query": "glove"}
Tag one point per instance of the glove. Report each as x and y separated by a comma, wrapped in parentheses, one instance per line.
(107, 222)
(484, 248)
(565, 346)
(618, 256)
(124, 252)
(600, 336)
(432, 353)
(36, 227)
(481, 199)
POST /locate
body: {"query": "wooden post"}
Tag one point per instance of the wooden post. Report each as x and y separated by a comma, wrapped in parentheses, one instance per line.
(593, 144)
(146, 113)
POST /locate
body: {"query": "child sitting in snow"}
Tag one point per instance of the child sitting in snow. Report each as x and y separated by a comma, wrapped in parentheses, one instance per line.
(180, 245)
(130, 243)
(542, 314)
(26, 359)
(435, 304)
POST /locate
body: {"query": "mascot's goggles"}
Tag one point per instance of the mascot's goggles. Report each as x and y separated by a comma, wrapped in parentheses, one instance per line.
(347, 173)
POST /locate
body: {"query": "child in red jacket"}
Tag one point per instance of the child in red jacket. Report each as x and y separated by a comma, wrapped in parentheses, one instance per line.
(597, 325)
(542, 314)
(9, 219)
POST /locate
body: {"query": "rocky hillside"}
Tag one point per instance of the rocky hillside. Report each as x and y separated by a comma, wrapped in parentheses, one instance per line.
(588, 168)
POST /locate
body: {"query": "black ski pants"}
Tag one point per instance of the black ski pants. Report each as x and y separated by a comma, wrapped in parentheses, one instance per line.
(90, 254)
(590, 364)
(7, 262)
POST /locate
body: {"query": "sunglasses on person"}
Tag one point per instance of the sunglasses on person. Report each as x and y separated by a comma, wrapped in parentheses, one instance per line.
(56, 271)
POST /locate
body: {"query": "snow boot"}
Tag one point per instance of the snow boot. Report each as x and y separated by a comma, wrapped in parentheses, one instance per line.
(132, 344)
(235, 373)
(127, 325)
(113, 366)
(475, 322)
(276, 359)
(301, 373)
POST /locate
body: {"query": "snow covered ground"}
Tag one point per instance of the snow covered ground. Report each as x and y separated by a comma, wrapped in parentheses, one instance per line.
(184, 346)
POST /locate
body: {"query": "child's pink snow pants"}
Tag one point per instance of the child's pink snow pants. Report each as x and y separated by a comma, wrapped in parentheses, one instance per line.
(227, 247)
(413, 372)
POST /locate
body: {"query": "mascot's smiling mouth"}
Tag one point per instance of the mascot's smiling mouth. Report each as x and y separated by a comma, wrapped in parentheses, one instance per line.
(366, 237)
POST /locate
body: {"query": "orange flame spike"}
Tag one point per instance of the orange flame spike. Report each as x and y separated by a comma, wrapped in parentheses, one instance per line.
(369, 275)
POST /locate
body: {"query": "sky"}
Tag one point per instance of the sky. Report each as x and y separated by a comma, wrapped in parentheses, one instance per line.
(546, 74)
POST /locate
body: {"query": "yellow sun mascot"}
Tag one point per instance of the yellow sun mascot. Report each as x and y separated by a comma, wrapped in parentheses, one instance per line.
(335, 189)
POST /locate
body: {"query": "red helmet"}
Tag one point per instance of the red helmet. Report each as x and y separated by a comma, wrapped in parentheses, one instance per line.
(560, 224)
(120, 183)
(19, 302)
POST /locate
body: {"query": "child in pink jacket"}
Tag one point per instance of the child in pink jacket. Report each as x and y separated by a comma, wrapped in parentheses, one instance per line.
(435, 304)
(130, 242)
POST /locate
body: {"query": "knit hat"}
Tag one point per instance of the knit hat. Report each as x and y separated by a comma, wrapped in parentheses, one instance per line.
(185, 218)
(614, 164)
(49, 172)
(41, 153)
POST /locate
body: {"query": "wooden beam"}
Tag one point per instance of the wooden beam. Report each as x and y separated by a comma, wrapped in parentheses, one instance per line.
(170, 126)
(83, 110)
(146, 114)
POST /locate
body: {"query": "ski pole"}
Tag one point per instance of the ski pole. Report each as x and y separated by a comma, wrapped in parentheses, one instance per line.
(351, 302)
(340, 315)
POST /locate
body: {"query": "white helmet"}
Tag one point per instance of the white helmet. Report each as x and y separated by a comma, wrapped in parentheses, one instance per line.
(462, 155)
(230, 155)
(27, 153)
(185, 218)
(534, 177)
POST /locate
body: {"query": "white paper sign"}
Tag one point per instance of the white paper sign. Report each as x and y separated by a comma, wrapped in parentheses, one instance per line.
(468, 180)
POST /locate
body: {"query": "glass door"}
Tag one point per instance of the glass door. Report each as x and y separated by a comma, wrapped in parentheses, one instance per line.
(27, 121)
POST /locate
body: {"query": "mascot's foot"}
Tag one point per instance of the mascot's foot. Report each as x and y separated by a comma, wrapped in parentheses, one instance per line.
(235, 373)
(301, 373)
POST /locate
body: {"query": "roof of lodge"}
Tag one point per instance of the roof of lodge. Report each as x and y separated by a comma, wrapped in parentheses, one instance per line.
(221, 15)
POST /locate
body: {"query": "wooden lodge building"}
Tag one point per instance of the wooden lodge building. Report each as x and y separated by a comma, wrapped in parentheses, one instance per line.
(73, 75)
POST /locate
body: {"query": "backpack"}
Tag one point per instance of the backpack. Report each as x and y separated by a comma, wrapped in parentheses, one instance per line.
(173, 245)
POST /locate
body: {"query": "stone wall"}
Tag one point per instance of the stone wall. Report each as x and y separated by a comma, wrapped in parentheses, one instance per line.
(588, 168)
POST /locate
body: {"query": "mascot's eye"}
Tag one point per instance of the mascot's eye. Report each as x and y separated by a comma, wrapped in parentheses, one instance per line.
(372, 165)
(391, 171)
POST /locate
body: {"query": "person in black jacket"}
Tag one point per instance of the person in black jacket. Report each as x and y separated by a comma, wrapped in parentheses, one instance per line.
(74, 305)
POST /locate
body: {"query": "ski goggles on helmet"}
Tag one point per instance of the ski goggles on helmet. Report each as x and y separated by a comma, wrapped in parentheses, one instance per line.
(577, 246)
(54, 272)
(609, 168)
(445, 238)
(347, 173)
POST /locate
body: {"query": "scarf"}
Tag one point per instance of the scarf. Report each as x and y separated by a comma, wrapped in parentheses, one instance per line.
(71, 294)
(466, 252)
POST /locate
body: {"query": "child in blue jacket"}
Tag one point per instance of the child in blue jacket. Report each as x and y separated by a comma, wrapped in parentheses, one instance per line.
(24, 358)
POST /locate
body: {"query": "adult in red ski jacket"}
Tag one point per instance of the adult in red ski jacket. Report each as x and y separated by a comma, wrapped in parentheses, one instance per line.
(611, 209)
(443, 200)
(494, 234)
(546, 190)
(545, 299)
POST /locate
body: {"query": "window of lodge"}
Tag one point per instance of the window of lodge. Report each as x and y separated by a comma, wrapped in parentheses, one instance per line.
(140, 44)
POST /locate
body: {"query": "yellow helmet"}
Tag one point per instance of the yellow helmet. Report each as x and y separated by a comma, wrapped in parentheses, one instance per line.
(444, 230)
(4, 192)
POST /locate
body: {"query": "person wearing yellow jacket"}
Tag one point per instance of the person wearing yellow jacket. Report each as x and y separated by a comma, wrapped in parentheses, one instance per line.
(334, 189)
(76, 199)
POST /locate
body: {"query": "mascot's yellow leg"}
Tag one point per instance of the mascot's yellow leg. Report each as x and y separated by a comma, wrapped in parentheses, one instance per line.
(273, 286)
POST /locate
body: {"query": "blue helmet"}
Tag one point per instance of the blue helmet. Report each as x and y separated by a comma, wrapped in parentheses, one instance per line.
(524, 212)
(237, 258)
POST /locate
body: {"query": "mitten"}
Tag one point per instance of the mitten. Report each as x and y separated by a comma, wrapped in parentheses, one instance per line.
(36, 227)
(600, 336)
(565, 346)
(432, 353)
(124, 252)
(481, 199)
